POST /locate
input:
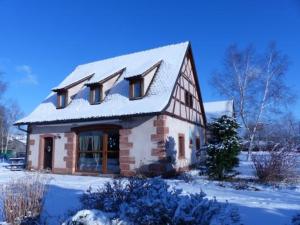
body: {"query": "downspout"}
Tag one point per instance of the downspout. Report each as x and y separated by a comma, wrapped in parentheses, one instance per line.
(27, 131)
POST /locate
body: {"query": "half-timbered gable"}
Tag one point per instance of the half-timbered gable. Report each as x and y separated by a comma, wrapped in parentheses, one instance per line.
(185, 101)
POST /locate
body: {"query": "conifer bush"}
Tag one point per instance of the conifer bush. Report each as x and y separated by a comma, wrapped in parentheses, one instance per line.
(223, 148)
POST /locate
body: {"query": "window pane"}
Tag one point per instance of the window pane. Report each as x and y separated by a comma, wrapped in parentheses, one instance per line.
(113, 152)
(198, 143)
(90, 141)
(62, 100)
(186, 96)
(181, 147)
(97, 94)
(137, 91)
(90, 151)
(191, 101)
(90, 162)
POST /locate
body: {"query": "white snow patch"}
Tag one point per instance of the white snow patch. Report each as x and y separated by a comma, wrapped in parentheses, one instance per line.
(90, 217)
(269, 205)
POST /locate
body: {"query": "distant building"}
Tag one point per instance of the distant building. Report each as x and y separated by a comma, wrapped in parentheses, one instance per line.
(16, 146)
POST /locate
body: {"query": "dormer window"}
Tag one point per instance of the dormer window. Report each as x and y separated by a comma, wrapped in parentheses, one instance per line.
(136, 88)
(96, 94)
(139, 83)
(62, 100)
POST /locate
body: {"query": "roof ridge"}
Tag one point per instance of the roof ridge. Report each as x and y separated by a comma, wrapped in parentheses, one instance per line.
(136, 52)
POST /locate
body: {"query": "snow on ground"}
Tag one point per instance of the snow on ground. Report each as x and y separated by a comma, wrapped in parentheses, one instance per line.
(269, 205)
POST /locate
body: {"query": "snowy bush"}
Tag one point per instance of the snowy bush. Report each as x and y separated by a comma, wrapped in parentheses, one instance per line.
(223, 148)
(277, 165)
(296, 220)
(152, 201)
(22, 199)
(186, 177)
(89, 217)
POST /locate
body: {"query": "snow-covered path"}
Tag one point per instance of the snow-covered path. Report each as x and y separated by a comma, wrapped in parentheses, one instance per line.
(269, 205)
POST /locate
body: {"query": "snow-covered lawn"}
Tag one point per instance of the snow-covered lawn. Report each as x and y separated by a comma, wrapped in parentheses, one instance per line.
(268, 205)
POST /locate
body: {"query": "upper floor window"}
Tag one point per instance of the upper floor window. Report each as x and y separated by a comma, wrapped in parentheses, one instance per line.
(188, 99)
(96, 95)
(62, 100)
(136, 88)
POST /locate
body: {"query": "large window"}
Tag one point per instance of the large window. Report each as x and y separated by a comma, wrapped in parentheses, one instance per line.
(90, 151)
(136, 88)
(98, 151)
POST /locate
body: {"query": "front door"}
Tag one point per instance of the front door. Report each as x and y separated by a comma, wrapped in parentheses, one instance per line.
(48, 149)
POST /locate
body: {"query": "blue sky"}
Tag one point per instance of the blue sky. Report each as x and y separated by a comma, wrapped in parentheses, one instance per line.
(42, 41)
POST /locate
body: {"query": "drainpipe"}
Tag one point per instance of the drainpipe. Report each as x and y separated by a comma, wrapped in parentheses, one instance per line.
(27, 131)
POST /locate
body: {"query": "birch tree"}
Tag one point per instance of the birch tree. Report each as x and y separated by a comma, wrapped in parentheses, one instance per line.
(256, 84)
(3, 125)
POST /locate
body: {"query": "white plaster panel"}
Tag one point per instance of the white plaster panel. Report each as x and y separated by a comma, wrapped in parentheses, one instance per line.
(74, 90)
(149, 77)
(142, 145)
(34, 156)
(176, 127)
(60, 152)
(108, 84)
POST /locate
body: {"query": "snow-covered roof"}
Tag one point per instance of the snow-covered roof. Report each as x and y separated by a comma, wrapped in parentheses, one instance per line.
(218, 108)
(117, 102)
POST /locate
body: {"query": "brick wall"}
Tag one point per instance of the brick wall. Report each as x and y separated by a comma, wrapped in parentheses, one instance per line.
(70, 148)
(125, 147)
(160, 137)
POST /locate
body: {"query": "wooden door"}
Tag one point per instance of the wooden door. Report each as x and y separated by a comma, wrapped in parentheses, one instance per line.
(48, 150)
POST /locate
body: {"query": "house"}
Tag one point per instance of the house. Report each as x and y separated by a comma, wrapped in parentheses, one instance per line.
(13, 146)
(119, 115)
(17, 145)
(217, 109)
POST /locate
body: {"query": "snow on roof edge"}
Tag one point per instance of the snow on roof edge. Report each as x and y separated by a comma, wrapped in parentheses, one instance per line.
(160, 95)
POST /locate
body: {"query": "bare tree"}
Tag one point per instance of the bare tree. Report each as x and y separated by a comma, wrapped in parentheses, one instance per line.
(256, 84)
(9, 113)
(13, 112)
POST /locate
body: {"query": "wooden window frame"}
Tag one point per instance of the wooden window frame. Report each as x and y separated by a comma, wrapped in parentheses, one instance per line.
(181, 146)
(104, 128)
(92, 94)
(59, 94)
(188, 99)
(131, 88)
